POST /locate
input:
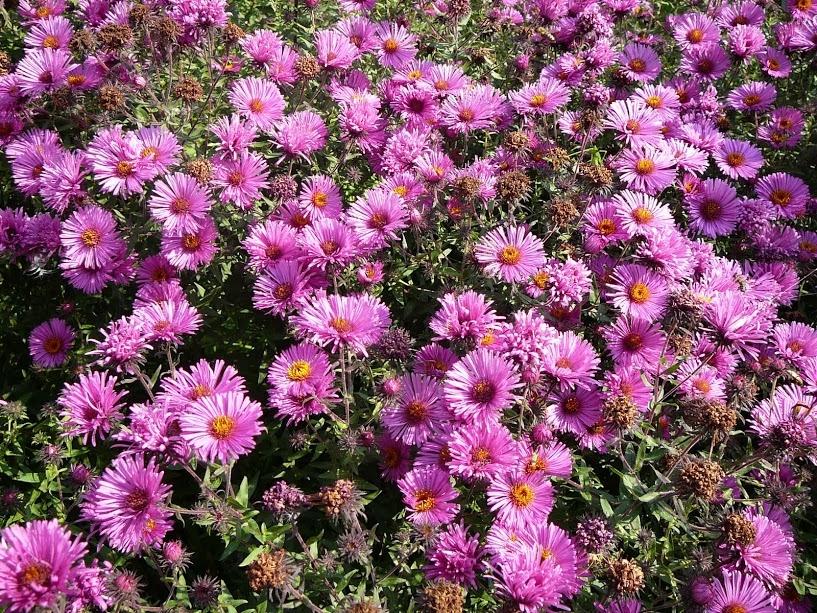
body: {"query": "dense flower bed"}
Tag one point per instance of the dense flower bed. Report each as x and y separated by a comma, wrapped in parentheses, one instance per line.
(364, 306)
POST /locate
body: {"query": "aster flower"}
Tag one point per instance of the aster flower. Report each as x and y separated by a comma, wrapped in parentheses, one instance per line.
(189, 250)
(737, 591)
(709, 62)
(234, 135)
(179, 203)
(281, 287)
(158, 148)
(635, 123)
(261, 45)
(259, 100)
(646, 169)
(91, 406)
(397, 47)
(241, 180)
(300, 369)
(271, 242)
(554, 543)
(786, 192)
(480, 386)
(61, 182)
(417, 412)
(128, 504)
(552, 459)
(737, 322)
(513, 254)
(527, 580)
(738, 159)
(50, 342)
(455, 556)
(469, 110)
(167, 320)
(328, 243)
(639, 62)
(713, 209)
(43, 70)
(786, 421)
(795, 341)
(40, 562)
(570, 359)
(429, 496)
(355, 321)
(638, 292)
(116, 160)
(634, 342)
(376, 217)
(752, 96)
(695, 30)
(320, 197)
(769, 555)
(479, 451)
(201, 380)
(519, 499)
(574, 410)
(541, 98)
(222, 426)
(90, 238)
(300, 134)
(334, 50)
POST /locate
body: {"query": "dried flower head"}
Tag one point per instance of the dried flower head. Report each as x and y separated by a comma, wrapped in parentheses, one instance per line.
(443, 597)
(738, 530)
(626, 576)
(187, 89)
(699, 477)
(269, 571)
(513, 185)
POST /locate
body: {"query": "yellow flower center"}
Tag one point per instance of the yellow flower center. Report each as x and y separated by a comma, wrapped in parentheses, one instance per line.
(319, 199)
(124, 169)
(390, 45)
(642, 215)
(424, 501)
(222, 426)
(781, 197)
(191, 242)
(91, 237)
(653, 102)
(735, 159)
(341, 325)
(256, 106)
(51, 42)
(481, 455)
(299, 370)
(644, 166)
(538, 100)
(639, 293)
(510, 255)
(606, 226)
(637, 65)
(483, 391)
(521, 495)
(695, 35)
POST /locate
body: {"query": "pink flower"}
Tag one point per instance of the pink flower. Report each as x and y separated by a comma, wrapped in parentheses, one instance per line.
(91, 406)
(50, 342)
(179, 203)
(258, 100)
(428, 494)
(222, 427)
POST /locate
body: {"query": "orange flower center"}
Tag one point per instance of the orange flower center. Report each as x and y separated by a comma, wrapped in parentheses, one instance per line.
(639, 293)
(424, 501)
(571, 405)
(644, 166)
(481, 455)
(378, 221)
(642, 215)
(53, 345)
(540, 279)
(416, 411)
(256, 106)
(653, 102)
(521, 495)
(179, 205)
(200, 391)
(91, 237)
(695, 35)
(780, 197)
(637, 65)
(36, 572)
(341, 325)
(735, 159)
(222, 426)
(751, 99)
(483, 391)
(283, 291)
(319, 199)
(606, 226)
(191, 242)
(329, 247)
(538, 100)
(124, 169)
(510, 255)
(390, 45)
(299, 370)
(51, 42)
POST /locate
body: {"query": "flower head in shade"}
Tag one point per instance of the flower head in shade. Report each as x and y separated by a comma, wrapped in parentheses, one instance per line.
(222, 426)
(434, 360)
(40, 562)
(242, 179)
(128, 504)
(713, 208)
(480, 451)
(786, 192)
(737, 591)
(300, 134)
(795, 341)
(455, 556)
(259, 100)
(300, 369)
(50, 342)
(320, 197)
(527, 580)
(511, 254)
(355, 321)
(753, 96)
(168, 320)
(570, 359)
(640, 62)
(463, 316)
(189, 250)
(417, 412)
(646, 168)
(738, 159)
(281, 287)
(575, 410)
(480, 386)
(396, 45)
(377, 217)
(429, 496)
(638, 292)
(395, 457)
(179, 203)
(90, 238)
(91, 406)
(554, 543)
(519, 499)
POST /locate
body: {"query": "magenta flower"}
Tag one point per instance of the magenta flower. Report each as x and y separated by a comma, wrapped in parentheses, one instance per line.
(554, 543)
(575, 410)
(167, 320)
(281, 287)
(634, 342)
(480, 386)
(695, 30)
(463, 316)
(222, 426)
(90, 238)
(570, 359)
(91, 406)
(241, 180)
(634, 123)
(713, 208)
(320, 197)
(786, 192)
(123, 345)
(201, 380)
(50, 342)
(40, 562)
(397, 47)
(355, 321)
(300, 134)
(709, 62)
(334, 50)
(189, 250)
(43, 70)
(128, 504)
(520, 499)
(639, 62)
(638, 292)
(480, 452)
(234, 135)
(455, 556)
(270, 242)
(737, 591)
(738, 159)
(179, 203)
(753, 96)
(540, 98)
(428, 494)
(300, 370)
(418, 410)
(117, 162)
(258, 100)
(512, 254)
(377, 217)
(646, 169)
(328, 243)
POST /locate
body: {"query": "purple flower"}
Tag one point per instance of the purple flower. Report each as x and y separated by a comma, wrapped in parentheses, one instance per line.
(455, 556)
(429, 496)
(91, 406)
(221, 426)
(50, 342)
(512, 254)
(480, 386)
